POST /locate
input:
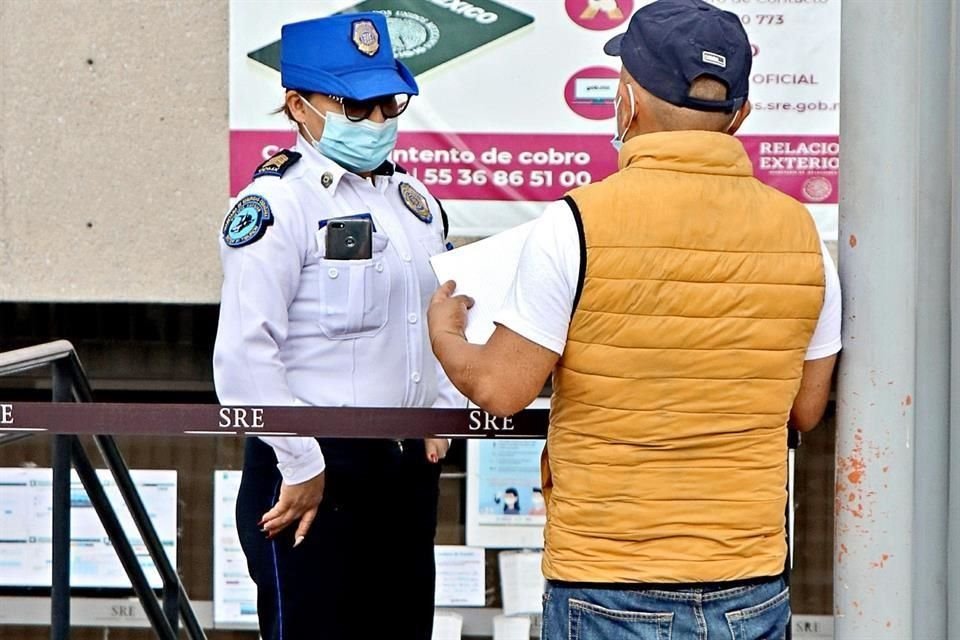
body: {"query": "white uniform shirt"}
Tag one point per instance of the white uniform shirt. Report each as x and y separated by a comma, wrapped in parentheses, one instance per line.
(540, 302)
(296, 328)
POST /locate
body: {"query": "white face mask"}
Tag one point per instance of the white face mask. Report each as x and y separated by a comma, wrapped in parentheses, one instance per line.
(617, 140)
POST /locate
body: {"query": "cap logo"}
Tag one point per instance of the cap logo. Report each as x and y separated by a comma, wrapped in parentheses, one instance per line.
(715, 59)
(366, 37)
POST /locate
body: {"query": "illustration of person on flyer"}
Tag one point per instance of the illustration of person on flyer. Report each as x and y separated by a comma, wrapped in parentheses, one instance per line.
(510, 499)
(609, 7)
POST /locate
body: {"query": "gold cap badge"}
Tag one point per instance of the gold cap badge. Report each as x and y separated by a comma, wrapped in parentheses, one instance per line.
(366, 37)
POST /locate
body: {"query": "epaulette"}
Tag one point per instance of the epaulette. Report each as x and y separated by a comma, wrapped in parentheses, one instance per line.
(277, 164)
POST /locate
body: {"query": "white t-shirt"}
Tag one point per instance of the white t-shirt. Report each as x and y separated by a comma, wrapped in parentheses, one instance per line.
(540, 302)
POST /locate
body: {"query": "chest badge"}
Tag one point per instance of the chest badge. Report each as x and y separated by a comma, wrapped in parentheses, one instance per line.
(247, 221)
(416, 202)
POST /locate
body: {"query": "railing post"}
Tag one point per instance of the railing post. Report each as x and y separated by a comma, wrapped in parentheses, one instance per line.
(60, 534)
(70, 384)
(174, 595)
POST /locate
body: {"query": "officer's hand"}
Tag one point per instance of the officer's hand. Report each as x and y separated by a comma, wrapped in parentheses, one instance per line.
(436, 449)
(447, 313)
(296, 502)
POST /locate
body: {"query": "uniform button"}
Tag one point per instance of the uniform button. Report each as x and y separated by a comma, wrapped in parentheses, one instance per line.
(406, 257)
(333, 273)
(379, 267)
(416, 376)
(412, 318)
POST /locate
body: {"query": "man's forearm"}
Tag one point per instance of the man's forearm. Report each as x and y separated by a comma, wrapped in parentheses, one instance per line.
(460, 360)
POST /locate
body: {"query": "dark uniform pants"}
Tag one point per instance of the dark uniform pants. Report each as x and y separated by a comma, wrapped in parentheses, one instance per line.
(366, 568)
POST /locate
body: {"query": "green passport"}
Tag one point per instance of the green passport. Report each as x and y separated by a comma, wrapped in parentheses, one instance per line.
(428, 33)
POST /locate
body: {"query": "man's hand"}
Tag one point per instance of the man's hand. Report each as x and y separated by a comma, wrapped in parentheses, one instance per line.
(436, 449)
(447, 313)
(296, 502)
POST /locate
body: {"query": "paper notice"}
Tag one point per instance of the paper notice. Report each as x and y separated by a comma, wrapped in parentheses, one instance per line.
(461, 579)
(447, 626)
(511, 628)
(521, 582)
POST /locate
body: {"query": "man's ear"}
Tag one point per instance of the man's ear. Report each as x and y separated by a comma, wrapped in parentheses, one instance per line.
(740, 117)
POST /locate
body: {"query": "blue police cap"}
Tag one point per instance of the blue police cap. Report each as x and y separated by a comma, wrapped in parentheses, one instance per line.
(346, 55)
(670, 43)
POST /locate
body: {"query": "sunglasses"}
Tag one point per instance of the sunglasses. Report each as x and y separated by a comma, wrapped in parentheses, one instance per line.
(358, 110)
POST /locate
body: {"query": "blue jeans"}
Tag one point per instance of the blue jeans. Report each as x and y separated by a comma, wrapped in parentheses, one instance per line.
(754, 612)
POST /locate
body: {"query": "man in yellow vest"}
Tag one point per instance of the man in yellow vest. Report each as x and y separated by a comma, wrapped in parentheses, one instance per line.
(688, 314)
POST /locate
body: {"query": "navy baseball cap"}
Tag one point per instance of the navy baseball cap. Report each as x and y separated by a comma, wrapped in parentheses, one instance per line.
(670, 43)
(347, 55)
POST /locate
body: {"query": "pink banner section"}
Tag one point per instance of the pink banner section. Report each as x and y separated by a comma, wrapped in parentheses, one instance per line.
(543, 167)
(805, 167)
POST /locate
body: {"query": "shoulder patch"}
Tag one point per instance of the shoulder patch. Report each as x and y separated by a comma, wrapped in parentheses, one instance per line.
(278, 164)
(247, 221)
(416, 202)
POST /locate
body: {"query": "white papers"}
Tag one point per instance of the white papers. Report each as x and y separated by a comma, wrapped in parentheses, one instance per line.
(461, 579)
(521, 582)
(234, 593)
(511, 628)
(447, 626)
(484, 271)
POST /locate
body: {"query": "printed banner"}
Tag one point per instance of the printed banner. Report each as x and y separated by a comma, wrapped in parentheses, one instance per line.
(516, 103)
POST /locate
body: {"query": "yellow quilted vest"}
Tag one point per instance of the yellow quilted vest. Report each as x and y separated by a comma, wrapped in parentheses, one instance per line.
(666, 458)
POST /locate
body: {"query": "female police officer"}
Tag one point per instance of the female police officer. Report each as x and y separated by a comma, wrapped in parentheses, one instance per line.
(338, 534)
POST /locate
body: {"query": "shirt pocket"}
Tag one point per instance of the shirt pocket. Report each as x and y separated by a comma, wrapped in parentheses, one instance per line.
(355, 294)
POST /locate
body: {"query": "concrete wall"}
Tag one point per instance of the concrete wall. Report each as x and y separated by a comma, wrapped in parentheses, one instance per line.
(113, 149)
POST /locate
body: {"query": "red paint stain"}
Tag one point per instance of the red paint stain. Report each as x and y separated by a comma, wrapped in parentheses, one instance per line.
(851, 497)
(853, 240)
(880, 563)
(889, 624)
(885, 469)
(855, 476)
(908, 401)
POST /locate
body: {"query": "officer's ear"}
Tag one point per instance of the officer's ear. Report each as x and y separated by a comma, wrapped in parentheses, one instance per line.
(293, 106)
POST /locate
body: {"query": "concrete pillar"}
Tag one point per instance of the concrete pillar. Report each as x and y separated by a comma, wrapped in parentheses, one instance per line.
(953, 133)
(879, 270)
(932, 399)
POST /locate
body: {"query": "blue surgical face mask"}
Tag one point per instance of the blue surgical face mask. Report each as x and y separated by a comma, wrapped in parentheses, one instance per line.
(359, 146)
(617, 140)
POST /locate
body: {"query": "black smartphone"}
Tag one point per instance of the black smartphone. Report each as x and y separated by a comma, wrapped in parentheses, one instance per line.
(349, 239)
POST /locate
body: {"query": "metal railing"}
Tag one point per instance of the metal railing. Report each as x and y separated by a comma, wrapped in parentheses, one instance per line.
(70, 384)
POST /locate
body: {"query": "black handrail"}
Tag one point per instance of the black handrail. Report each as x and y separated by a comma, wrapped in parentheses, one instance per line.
(71, 384)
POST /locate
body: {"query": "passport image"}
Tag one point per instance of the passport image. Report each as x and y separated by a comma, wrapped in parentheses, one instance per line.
(428, 33)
